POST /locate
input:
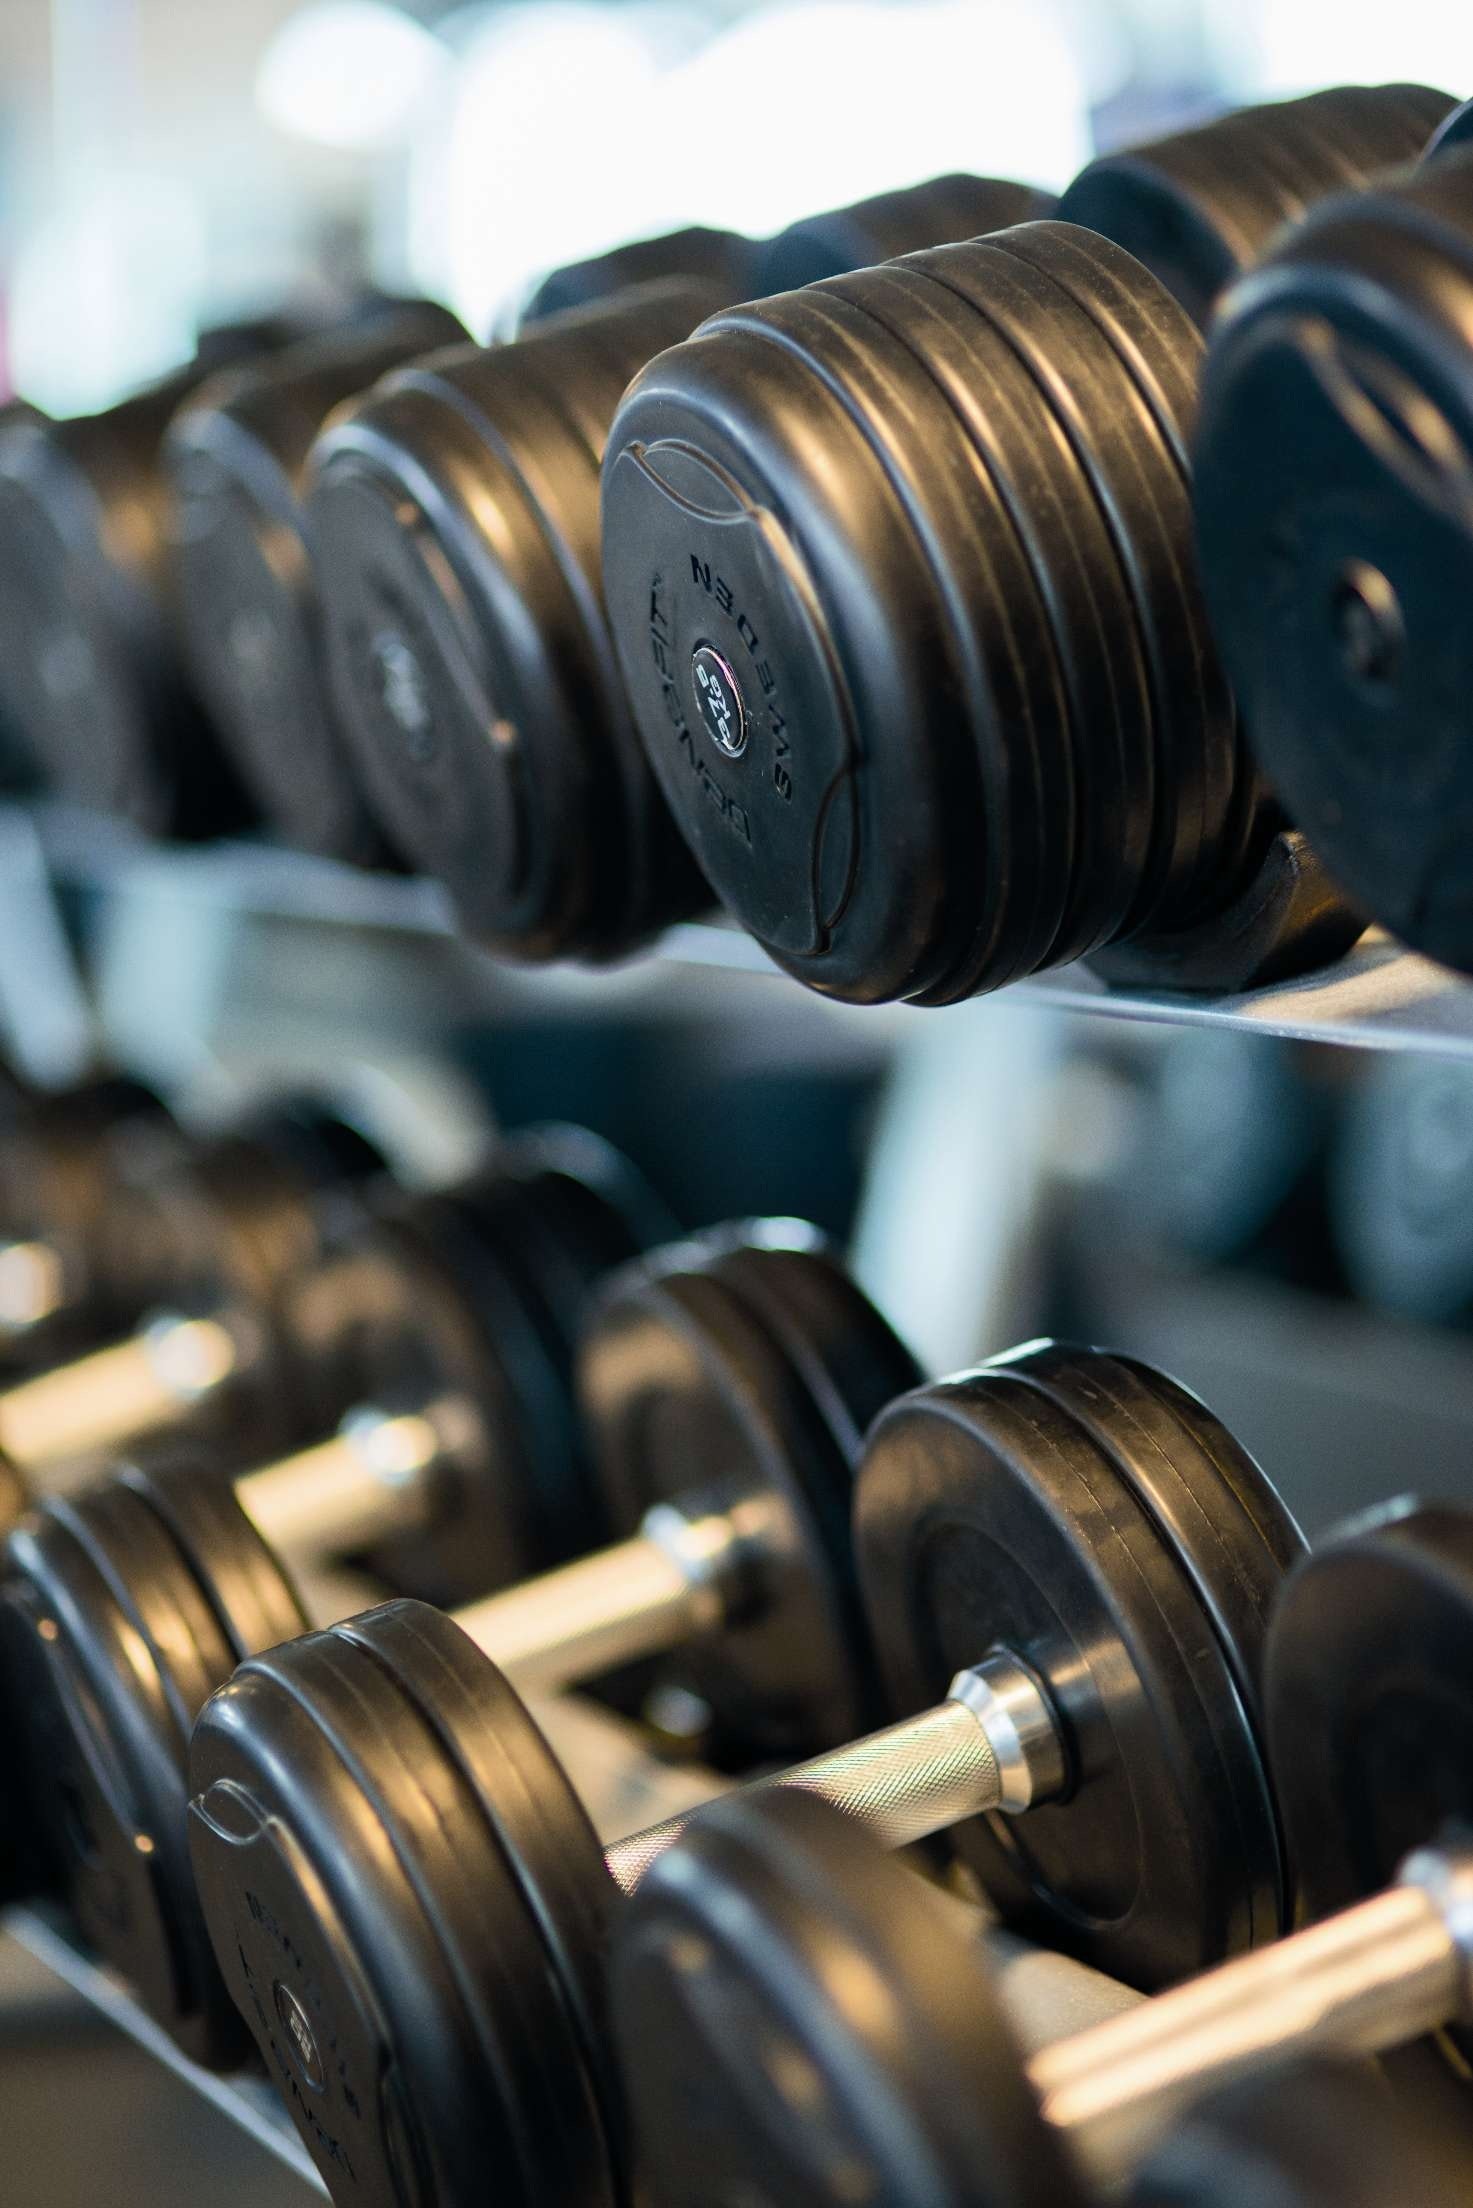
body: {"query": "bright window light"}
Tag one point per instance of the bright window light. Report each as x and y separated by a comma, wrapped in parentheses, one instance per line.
(355, 75)
(1287, 46)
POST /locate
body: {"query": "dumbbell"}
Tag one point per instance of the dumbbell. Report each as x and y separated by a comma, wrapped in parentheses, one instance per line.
(1401, 1188)
(1331, 496)
(226, 1229)
(940, 212)
(785, 1920)
(798, 2022)
(1318, 2134)
(64, 1277)
(400, 1884)
(1200, 206)
(454, 515)
(727, 1385)
(90, 669)
(235, 457)
(721, 258)
(936, 516)
(1453, 133)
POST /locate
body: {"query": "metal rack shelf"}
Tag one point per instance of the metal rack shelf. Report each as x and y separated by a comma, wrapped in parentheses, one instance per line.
(1379, 997)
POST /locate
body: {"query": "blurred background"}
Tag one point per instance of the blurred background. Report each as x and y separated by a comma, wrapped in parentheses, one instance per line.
(168, 162)
(1289, 1228)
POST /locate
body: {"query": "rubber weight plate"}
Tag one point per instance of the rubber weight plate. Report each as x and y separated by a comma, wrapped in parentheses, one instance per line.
(744, 1368)
(1336, 559)
(799, 2024)
(91, 672)
(1308, 2133)
(1200, 206)
(946, 209)
(435, 2020)
(124, 1651)
(1453, 133)
(455, 519)
(57, 1180)
(721, 258)
(236, 456)
(781, 552)
(987, 1515)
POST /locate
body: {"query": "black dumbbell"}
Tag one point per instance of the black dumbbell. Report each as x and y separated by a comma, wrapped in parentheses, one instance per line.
(1070, 1540)
(746, 1365)
(225, 1230)
(235, 457)
(785, 1919)
(1337, 550)
(1200, 206)
(455, 520)
(940, 212)
(795, 2011)
(936, 516)
(91, 674)
(64, 1277)
(721, 258)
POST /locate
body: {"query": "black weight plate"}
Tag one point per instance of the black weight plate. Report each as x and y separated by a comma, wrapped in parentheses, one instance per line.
(1308, 2135)
(247, 1586)
(987, 1517)
(746, 515)
(1114, 435)
(941, 212)
(1061, 524)
(1370, 1660)
(89, 671)
(689, 1394)
(455, 513)
(236, 457)
(125, 1651)
(56, 1181)
(926, 321)
(1162, 349)
(1334, 567)
(587, 1211)
(852, 1364)
(1401, 1188)
(412, 2013)
(1008, 699)
(1230, 1530)
(799, 2025)
(1453, 133)
(1190, 217)
(422, 1314)
(719, 257)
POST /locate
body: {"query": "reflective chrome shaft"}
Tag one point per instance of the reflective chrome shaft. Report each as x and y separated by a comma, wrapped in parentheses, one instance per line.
(118, 1395)
(372, 1482)
(914, 1778)
(32, 1285)
(638, 1598)
(1371, 1978)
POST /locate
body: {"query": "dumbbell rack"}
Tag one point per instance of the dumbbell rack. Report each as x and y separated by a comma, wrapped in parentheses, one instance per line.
(1378, 997)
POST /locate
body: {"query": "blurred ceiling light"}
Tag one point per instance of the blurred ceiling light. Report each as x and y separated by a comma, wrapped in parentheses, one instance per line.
(1287, 46)
(355, 75)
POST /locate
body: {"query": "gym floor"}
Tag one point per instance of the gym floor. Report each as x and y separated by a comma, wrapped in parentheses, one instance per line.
(87, 2120)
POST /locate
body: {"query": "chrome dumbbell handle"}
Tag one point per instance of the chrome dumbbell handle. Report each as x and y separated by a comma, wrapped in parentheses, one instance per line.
(992, 1744)
(1374, 1977)
(373, 1481)
(118, 1394)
